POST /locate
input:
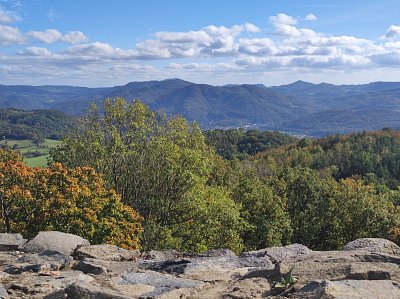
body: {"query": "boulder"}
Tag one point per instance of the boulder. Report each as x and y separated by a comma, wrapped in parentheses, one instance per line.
(53, 240)
(90, 267)
(345, 289)
(373, 245)
(9, 242)
(106, 252)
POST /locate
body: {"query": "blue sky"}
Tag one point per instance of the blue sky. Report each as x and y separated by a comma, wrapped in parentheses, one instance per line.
(105, 43)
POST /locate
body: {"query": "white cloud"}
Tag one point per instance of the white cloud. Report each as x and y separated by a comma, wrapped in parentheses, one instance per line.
(34, 51)
(217, 51)
(311, 17)
(7, 16)
(393, 31)
(74, 37)
(208, 41)
(50, 36)
(10, 35)
(284, 19)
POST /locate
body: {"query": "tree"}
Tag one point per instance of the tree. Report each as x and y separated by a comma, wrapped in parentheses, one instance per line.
(265, 213)
(157, 164)
(326, 214)
(70, 200)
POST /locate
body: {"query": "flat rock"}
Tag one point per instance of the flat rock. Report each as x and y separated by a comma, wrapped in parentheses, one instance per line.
(162, 255)
(53, 240)
(373, 245)
(106, 252)
(38, 285)
(279, 253)
(86, 291)
(44, 261)
(340, 265)
(9, 242)
(218, 253)
(162, 283)
(346, 289)
(95, 266)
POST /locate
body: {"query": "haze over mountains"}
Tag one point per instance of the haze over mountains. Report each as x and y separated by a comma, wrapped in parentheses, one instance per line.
(300, 107)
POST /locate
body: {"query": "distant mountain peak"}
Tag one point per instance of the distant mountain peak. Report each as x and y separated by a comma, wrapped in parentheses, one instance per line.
(301, 83)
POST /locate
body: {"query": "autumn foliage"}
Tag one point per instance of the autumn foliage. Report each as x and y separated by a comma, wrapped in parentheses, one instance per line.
(69, 200)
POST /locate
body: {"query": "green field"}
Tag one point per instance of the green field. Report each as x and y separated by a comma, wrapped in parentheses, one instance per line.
(28, 148)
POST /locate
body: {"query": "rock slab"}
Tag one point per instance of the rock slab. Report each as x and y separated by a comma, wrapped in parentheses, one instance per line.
(9, 242)
(57, 241)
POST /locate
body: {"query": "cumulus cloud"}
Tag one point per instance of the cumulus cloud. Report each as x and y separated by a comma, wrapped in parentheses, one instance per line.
(7, 16)
(50, 36)
(219, 50)
(208, 41)
(311, 17)
(10, 35)
(284, 19)
(393, 32)
(34, 51)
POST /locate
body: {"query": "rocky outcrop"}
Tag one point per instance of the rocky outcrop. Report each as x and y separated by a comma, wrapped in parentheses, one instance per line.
(55, 265)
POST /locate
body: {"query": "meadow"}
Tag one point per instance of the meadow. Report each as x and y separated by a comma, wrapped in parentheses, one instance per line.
(34, 155)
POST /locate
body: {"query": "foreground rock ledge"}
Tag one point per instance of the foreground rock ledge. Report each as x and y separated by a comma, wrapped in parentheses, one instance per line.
(55, 265)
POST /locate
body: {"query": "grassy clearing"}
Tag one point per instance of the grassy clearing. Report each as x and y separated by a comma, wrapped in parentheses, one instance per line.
(28, 148)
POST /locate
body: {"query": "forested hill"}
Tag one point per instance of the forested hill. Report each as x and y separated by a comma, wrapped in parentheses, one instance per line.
(32, 124)
(302, 108)
(372, 156)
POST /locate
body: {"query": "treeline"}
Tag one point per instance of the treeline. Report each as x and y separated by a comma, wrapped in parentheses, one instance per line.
(372, 156)
(34, 124)
(192, 199)
(240, 144)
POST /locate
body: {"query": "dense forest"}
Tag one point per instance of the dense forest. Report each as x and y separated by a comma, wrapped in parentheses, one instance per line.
(129, 176)
(34, 124)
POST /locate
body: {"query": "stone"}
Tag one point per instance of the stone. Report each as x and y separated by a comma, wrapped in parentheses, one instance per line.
(373, 245)
(163, 283)
(106, 252)
(35, 285)
(53, 240)
(95, 266)
(90, 267)
(279, 253)
(177, 266)
(3, 293)
(86, 291)
(46, 260)
(218, 253)
(162, 255)
(345, 289)
(10, 242)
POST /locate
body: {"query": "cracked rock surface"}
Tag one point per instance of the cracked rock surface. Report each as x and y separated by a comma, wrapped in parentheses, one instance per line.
(55, 265)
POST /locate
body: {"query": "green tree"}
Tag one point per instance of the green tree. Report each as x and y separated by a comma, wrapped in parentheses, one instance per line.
(157, 164)
(265, 212)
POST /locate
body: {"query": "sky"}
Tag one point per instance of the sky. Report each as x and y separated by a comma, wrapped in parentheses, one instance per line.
(107, 43)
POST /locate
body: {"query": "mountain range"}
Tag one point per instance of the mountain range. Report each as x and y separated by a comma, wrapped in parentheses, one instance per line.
(301, 108)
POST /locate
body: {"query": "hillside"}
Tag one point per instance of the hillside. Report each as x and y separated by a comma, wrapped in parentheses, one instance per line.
(33, 124)
(301, 107)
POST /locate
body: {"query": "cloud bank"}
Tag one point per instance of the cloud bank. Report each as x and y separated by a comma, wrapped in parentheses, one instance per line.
(284, 46)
